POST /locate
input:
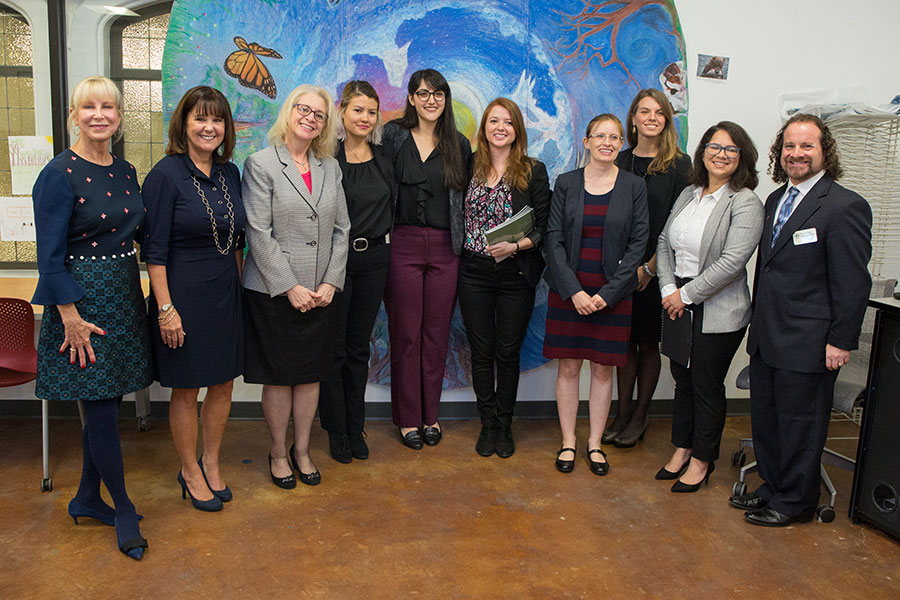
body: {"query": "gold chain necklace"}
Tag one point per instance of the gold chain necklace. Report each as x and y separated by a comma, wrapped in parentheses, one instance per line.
(212, 219)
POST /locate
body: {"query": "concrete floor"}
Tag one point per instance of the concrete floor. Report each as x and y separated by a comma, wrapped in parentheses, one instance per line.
(439, 523)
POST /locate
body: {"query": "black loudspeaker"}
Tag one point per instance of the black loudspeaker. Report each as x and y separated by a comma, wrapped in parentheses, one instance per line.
(876, 481)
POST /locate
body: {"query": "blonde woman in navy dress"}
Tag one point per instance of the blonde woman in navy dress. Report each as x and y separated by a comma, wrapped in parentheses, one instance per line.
(595, 238)
(93, 344)
(193, 249)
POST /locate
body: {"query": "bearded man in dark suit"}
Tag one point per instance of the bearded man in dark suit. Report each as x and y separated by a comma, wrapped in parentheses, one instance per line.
(810, 293)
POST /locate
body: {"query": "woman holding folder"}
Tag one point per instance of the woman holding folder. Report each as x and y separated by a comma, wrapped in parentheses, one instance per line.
(701, 259)
(497, 280)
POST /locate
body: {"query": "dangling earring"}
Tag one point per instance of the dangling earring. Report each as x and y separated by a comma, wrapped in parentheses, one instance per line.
(77, 130)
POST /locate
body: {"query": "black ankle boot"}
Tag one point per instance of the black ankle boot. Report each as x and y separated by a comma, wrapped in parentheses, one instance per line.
(485, 444)
(504, 441)
(339, 445)
(358, 447)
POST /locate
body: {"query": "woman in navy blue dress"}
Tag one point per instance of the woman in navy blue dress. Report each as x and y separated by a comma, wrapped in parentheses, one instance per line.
(93, 344)
(192, 246)
(596, 234)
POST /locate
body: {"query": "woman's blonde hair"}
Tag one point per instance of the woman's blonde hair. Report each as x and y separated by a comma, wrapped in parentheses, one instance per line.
(94, 88)
(325, 143)
(352, 90)
(668, 137)
(518, 171)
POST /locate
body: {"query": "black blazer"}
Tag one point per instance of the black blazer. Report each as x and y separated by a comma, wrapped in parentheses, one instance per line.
(809, 295)
(537, 196)
(624, 235)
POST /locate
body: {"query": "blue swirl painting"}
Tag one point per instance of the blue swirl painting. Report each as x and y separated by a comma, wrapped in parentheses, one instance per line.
(562, 61)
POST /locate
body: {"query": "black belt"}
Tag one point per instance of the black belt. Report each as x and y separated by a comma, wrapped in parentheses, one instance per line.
(362, 244)
(681, 282)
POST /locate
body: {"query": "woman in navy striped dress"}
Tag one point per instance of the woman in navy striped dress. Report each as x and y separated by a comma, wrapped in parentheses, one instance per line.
(595, 238)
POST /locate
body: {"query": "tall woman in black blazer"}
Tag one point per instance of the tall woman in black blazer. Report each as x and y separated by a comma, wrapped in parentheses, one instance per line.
(496, 282)
(368, 182)
(595, 238)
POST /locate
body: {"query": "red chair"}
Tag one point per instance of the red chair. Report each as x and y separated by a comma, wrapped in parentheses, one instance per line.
(18, 359)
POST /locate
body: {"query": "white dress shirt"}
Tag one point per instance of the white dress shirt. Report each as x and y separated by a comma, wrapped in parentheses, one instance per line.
(803, 187)
(686, 233)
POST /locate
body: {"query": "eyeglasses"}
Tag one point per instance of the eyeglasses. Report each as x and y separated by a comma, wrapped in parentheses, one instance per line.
(423, 95)
(305, 110)
(730, 151)
(612, 137)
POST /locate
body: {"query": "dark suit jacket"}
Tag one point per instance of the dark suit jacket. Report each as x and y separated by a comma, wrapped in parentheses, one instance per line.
(809, 295)
(624, 235)
(537, 196)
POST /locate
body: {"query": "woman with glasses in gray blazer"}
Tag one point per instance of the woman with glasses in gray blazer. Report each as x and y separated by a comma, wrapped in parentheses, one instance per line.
(297, 234)
(701, 259)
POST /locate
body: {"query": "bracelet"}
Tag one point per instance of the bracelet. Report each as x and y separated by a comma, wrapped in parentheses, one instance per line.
(517, 247)
(168, 315)
(165, 307)
(647, 270)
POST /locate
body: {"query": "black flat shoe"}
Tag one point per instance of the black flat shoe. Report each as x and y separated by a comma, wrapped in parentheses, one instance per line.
(679, 487)
(565, 466)
(339, 446)
(285, 483)
(485, 445)
(598, 468)
(665, 474)
(503, 440)
(769, 517)
(314, 478)
(432, 436)
(358, 447)
(412, 439)
(749, 501)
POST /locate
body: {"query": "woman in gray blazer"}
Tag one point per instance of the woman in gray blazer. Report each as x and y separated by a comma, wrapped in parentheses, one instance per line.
(701, 260)
(297, 234)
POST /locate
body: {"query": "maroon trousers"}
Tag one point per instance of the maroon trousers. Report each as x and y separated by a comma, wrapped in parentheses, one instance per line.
(420, 297)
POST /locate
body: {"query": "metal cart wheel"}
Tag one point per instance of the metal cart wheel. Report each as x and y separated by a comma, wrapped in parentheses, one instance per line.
(739, 488)
(46, 484)
(739, 457)
(143, 423)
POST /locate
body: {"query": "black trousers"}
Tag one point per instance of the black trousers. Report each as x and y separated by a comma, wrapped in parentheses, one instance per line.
(789, 413)
(698, 415)
(496, 304)
(342, 396)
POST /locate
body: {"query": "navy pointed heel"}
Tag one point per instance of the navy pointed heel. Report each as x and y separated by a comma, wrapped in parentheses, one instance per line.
(77, 510)
(223, 495)
(212, 505)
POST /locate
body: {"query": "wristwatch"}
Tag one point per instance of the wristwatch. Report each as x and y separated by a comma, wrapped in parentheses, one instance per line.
(165, 307)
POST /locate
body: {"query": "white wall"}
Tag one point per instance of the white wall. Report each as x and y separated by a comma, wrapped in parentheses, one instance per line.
(774, 46)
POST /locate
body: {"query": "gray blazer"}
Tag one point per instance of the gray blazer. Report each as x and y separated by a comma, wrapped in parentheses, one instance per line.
(729, 239)
(293, 236)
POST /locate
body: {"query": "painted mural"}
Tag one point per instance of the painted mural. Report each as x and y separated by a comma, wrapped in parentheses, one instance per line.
(562, 61)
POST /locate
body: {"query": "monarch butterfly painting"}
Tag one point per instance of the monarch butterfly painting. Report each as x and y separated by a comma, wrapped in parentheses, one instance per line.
(248, 68)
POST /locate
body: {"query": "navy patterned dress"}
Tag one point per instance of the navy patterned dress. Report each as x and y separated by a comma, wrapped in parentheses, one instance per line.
(602, 336)
(87, 217)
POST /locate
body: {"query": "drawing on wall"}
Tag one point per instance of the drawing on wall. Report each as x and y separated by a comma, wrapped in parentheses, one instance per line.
(28, 155)
(562, 61)
(17, 219)
(712, 67)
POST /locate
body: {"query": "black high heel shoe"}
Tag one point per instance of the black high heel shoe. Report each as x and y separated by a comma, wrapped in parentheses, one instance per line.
(565, 466)
(598, 468)
(77, 510)
(432, 435)
(621, 441)
(132, 547)
(314, 478)
(665, 474)
(679, 487)
(288, 482)
(223, 495)
(214, 504)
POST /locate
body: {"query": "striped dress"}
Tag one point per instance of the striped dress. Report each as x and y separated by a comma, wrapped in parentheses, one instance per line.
(601, 337)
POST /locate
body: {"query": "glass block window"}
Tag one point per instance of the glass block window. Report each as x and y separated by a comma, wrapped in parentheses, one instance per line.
(16, 109)
(136, 50)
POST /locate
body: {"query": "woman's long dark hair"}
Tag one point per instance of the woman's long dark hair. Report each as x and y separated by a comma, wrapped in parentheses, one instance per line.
(455, 176)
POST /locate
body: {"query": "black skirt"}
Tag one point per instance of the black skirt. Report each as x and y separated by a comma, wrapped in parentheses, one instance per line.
(646, 314)
(283, 345)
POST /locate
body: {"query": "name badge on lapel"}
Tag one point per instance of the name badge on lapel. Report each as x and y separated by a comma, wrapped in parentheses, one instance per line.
(805, 236)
